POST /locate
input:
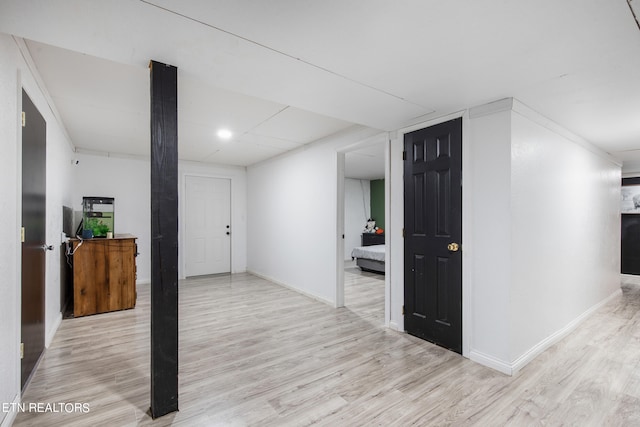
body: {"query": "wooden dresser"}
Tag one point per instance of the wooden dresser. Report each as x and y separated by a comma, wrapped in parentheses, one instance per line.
(369, 239)
(104, 274)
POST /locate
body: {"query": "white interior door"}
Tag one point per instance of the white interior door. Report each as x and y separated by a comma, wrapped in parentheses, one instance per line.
(208, 226)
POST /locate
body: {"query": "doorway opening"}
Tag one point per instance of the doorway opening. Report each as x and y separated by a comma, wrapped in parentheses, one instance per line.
(362, 283)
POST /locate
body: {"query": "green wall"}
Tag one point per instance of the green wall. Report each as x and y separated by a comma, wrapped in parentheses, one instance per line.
(377, 202)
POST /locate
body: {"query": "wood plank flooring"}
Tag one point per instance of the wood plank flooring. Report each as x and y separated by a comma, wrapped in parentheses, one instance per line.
(364, 293)
(254, 353)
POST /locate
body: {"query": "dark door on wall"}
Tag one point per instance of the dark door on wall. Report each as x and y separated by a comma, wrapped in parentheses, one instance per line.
(33, 246)
(630, 243)
(433, 233)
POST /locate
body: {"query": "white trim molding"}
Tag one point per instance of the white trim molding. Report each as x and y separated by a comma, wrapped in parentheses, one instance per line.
(512, 104)
(52, 331)
(10, 416)
(557, 336)
(491, 362)
(511, 368)
(293, 288)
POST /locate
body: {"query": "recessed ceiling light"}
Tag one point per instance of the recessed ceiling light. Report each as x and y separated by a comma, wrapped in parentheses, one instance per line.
(224, 134)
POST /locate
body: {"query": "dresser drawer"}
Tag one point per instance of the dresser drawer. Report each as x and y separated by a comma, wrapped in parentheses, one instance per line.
(369, 239)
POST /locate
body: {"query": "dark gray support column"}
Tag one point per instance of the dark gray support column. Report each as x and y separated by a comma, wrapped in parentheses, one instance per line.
(164, 239)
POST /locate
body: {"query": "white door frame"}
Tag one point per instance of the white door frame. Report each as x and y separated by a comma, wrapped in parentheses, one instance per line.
(467, 215)
(182, 229)
(382, 138)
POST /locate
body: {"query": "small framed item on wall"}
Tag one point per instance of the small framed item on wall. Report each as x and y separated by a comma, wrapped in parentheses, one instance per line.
(630, 199)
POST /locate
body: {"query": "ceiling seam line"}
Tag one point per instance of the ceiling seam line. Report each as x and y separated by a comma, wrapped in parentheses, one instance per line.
(284, 54)
(633, 12)
(266, 120)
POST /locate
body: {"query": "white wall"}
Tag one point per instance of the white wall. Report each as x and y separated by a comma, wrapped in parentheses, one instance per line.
(9, 232)
(128, 180)
(292, 216)
(490, 260)
(535, 260)
(565, 222)
(59, 193)
(238, 178)
(16, 72)
(545, 233)
(357, 209)
(631, 169)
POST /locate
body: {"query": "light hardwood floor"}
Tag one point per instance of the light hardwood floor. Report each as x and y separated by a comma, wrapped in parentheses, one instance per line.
(254, 353)
(364, 293)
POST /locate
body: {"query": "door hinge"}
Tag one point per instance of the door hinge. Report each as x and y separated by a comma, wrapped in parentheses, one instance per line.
(404, 155)
(22, 235)
(24, 119)
(21, 350)
(403, 310)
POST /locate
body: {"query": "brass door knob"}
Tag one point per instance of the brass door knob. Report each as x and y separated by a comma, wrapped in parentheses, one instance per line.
(453, 247)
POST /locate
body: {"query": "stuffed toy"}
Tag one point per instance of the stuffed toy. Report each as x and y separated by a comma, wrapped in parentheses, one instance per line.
(370, 227)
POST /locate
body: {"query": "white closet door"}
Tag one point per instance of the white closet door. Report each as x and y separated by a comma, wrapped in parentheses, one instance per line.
(208, 226)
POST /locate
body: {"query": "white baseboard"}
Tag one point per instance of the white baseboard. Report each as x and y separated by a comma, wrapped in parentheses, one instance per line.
(491, 362)
(552, 339)
(394, 326)
(293, 288)
(10, 416)
(52, 331)
(511, 368)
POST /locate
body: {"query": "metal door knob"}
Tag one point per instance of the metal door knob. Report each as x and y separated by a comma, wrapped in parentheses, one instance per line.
(453, 247)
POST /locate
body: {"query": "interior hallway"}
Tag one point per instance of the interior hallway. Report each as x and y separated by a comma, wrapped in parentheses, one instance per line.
(254, 353)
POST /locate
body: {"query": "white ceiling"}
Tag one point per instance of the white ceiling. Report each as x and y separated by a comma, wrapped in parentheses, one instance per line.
(282, 73)
(105, 108)
(365, 163)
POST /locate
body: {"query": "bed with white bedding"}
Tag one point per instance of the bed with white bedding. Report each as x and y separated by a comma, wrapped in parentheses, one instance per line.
(370, 258)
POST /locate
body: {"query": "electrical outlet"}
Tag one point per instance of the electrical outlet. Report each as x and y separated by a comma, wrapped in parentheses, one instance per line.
(63, 238)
